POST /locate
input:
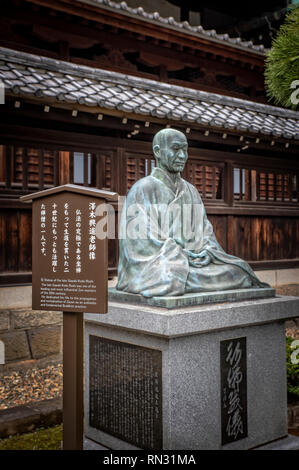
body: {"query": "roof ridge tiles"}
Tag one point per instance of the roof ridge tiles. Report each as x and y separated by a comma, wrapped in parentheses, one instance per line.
(170, 22)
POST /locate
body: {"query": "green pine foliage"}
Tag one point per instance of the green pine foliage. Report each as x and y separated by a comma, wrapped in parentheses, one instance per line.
(282, 62)
(292, 372)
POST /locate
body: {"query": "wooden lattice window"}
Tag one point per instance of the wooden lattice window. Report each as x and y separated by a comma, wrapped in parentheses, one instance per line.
(207, 178)
(107, 171)
(266, 185)
(91, 169)
(28, 169)
(103, 169)
(138, 168)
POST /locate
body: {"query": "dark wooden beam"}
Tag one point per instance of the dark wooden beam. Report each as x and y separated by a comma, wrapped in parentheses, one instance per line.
(274, 264)
(112, 120)
(78, 141)
(77, 34)
(134, 24)
(15, 203)
(258, 210)
(9, 278)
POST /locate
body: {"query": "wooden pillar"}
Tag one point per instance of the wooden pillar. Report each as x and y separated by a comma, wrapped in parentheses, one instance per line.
(41, 170)
(73, 381)
(100, 170)
(229, 184)
(25, 168)
(2, 163)
(120, 170)
(64, 168)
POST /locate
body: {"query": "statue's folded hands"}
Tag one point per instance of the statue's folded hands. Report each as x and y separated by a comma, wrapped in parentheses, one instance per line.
(201, 259)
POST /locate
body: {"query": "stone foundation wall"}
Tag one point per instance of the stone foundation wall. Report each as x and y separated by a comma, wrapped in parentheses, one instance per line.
(30, 336)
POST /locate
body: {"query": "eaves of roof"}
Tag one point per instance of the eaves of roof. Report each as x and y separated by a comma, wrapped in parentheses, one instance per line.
(44, 78)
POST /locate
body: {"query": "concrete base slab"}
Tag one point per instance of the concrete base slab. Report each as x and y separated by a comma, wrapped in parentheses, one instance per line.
(289, 442)
(88, 444)
(186, 300)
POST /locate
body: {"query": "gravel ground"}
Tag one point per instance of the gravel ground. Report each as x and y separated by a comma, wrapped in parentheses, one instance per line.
(292, 328)
(30, 385)
(289, 289)
(293, 331)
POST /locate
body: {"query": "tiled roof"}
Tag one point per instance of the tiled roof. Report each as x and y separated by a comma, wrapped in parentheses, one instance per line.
(44, 78)
(170, 22)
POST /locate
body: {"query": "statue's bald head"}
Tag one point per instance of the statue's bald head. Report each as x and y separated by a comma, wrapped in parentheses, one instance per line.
(170, 149)
(163, 136)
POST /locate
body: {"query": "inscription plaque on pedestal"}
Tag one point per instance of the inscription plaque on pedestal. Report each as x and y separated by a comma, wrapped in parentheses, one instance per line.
(126, 391)
(233, 389)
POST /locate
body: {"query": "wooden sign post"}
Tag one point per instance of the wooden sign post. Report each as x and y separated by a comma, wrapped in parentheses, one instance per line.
(70, 274)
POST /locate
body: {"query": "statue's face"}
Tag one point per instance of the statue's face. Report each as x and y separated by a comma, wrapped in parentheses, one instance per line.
(173, 154)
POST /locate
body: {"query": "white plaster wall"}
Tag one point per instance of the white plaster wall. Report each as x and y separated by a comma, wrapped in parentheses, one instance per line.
(15, 297)
(279, 277)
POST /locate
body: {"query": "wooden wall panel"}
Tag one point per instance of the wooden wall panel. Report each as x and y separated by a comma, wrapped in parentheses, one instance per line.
(2, 163)
(241, 244)
(2, 242)
(266, 238)
(25, 241)
(296, 238)
(12, 241)
(249, 237)
(15, 240)
(219, 223)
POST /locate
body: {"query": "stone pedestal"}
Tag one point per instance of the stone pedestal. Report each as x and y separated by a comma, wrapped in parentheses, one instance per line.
(201, 377)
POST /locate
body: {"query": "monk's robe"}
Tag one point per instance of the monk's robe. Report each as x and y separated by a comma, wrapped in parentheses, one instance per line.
(163, 228)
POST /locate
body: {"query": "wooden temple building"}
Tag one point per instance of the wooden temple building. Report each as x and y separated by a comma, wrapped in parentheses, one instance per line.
(87, 85)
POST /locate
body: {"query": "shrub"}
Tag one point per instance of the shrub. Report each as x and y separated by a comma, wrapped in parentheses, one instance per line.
(282, 62)
(292, 372)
